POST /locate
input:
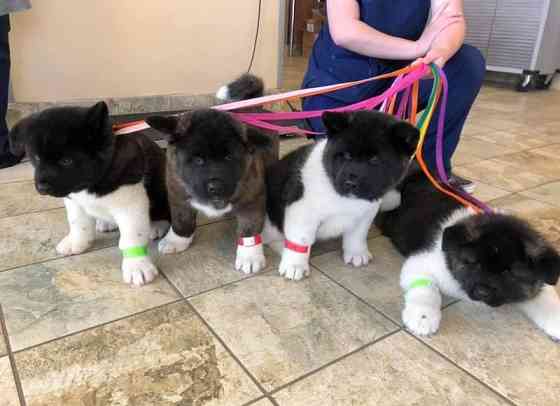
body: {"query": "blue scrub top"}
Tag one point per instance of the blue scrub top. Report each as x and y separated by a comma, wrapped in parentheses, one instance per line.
(329, 63)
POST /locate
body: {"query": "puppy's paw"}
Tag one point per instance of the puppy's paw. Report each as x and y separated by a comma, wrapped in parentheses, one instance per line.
(250, 259)
(552, 328)
(103, 226)
(73, 246)
(421, 320)
(173, 243)
(158, 229)
(357, 258)
(138, 271)
(294, 265)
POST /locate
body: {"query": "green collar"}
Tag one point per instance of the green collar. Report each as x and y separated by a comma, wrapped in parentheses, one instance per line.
(420, 283)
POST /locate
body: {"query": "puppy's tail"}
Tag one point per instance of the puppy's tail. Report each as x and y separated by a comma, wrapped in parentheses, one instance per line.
(245, 87)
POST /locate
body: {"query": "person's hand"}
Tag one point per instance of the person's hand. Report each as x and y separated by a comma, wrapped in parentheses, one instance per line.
(439, 56)
(439, 22)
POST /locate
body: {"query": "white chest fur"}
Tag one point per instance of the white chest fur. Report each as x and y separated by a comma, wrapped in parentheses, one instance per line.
(333, 213)
(102, 207)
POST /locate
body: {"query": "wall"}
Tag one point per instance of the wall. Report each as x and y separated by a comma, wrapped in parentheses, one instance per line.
(82, 49)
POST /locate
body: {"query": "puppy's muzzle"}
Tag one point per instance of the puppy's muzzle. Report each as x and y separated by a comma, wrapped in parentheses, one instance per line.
(215, 188)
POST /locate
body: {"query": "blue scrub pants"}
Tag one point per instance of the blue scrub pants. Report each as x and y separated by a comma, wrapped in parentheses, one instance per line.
(465, 73)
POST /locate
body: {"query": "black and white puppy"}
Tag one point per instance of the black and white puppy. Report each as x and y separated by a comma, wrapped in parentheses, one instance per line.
(334, 187)
(216, 165)
(493, 258)
(118, 180)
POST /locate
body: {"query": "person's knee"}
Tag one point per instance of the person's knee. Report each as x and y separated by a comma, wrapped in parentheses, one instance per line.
(475, 65)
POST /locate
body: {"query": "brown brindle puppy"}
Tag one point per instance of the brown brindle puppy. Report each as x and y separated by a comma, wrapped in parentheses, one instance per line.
(216, 165)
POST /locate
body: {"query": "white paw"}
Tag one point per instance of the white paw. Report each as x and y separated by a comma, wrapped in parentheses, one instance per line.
(250, 259)
(105, 226)
(294, 265)
(552, 328)
(173, 243)
(138, 271)
(357, 259)
(421, 320)
(158, 229)
(73, 246)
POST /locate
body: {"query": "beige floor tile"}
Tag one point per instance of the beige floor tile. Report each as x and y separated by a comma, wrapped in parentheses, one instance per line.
(476, 147)
(544, 217)
(514, 141)
(209, 262)
(162, 357)
(32, 238)
(549, 193)
(504, 350)
(536, 161)
(395, 371)
(503, 175)
(21, 198)
(71, 294)
(18, 173)
(3, 350)
(8, 393)
(487, 193)
(282, 329)
(263, 402)
(377, 283)
(550, 151)
(464, 157)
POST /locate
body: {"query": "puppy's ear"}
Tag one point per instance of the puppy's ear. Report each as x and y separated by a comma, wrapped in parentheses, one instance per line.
(173, 126)
(18, 138)
(404, 137)
(257, 141)
(456, 236)
(336, 122)
(98, 119)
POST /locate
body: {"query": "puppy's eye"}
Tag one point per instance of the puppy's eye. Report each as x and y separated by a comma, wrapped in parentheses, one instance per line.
(198, 160)
(374, 159)
(228, 157)
(347, 156)
(65, 162)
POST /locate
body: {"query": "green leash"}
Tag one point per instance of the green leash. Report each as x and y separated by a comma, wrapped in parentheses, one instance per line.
(135, 252)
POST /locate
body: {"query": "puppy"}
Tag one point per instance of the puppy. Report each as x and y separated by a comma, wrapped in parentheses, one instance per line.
(216, 165)
(493, 258)
(334, 187)
(118, 180)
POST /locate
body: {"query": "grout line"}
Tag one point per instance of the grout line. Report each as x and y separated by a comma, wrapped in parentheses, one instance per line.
(11, 358)
(445, 357)
(371, 306)
(74, 333)
(252, 402)
(330, 363)
(229, 351)
(92, 249)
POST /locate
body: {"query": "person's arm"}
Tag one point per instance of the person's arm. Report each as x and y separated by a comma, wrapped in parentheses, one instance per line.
(450, 39)
(349, 32)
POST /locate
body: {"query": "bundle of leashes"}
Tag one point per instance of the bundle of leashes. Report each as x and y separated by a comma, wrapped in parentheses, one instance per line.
(405, 87)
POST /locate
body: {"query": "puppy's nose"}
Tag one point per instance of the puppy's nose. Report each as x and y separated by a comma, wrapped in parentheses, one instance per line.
(43, 187)
(482, 292)
(350, 184)
(215, 187)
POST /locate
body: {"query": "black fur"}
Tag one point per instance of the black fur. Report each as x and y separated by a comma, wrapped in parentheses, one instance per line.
(496, 258)
(73, 149)
(247, 86)
(284, 185)
(367, 153)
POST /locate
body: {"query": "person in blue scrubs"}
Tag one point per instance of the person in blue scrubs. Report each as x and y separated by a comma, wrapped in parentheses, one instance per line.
(365, 38)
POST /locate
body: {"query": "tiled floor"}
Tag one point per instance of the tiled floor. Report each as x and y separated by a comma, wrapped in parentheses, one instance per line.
(202, 334)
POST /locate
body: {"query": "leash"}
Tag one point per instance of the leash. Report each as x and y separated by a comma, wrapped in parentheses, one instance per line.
(405, 85)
